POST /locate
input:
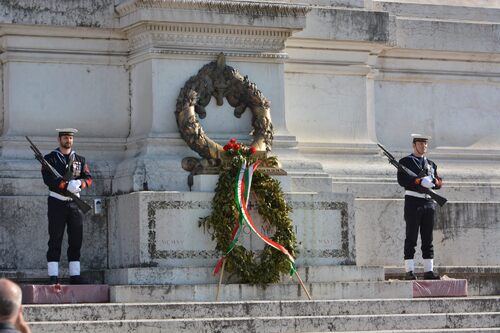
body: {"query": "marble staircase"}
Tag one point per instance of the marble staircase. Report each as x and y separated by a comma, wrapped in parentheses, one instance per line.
(472, 314)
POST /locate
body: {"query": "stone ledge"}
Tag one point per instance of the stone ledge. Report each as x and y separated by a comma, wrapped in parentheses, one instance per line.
(199, 275)
(273, 18)
(459, 36)
(246, 292)
(82, 13)
(346, 24)
(39, 276)
(447, 9)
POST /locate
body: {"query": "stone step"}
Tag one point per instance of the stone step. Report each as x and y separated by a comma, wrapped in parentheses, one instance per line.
(279, 324)
(445, 330)
(151, 311)
(39, 276)
(195, 275)
(202, 275)
(244, 292)
(481, 280)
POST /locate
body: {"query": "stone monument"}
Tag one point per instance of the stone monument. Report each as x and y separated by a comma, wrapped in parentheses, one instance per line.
(340, 76)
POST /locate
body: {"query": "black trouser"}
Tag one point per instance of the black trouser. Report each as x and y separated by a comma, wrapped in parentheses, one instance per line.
(62, 213)
(419, 214)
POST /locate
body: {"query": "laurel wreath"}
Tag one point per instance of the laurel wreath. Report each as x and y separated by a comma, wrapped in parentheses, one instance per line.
(251, 267)
(216, 79)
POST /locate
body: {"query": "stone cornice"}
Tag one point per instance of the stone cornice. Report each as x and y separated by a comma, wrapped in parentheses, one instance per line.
(259, 8)
(203, 37)
(54, 44)
(238, 27)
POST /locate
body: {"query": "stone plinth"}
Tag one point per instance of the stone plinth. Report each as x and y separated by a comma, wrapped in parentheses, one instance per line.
(239, 292)
(380, 233)
(24, 235)
(58, 294)
(203, 275)
(160, 229)
(440, 288)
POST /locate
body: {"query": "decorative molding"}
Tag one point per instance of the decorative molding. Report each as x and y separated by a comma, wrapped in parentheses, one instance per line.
(208, 54)
(251, 8)
(246, 28)
(196, 37)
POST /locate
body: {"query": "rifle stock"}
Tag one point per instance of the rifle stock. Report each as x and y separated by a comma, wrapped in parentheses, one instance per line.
(82, 205)
(438, 198)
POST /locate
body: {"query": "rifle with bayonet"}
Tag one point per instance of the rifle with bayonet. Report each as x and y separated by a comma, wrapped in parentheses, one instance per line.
(439, 199)
(82, 205)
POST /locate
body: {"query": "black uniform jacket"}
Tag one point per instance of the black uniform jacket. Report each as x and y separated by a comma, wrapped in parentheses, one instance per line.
(60, 162)
(416, 165)
(7, 328)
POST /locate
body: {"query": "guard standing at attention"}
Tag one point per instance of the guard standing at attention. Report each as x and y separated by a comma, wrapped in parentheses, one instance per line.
(419, 209)
(62, 211)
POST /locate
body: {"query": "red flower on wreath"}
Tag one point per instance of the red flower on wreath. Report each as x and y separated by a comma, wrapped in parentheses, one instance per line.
(235, 147)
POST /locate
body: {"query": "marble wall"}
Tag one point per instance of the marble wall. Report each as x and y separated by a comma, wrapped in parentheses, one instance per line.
(341, 75)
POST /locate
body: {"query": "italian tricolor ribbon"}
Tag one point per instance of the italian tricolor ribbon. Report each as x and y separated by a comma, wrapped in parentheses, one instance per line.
(238, 226)
(242, 192)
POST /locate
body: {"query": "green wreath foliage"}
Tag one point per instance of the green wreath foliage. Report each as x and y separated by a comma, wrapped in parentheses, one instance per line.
(272, 207)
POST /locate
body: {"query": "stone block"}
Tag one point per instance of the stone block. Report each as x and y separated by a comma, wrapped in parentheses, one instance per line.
(200, 275)
(58, 294)
(24, 235)
(440, 288)
(161, 229)
(380, 233)
(239, 292)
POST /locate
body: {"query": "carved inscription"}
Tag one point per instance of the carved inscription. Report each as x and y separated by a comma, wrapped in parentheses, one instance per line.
(173, 232)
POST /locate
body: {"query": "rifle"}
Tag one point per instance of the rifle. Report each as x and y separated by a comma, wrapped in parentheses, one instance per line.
(82, 205)
(439, 199)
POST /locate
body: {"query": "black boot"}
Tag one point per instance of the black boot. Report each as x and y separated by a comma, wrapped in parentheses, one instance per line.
(53, 279)
(410, 276)
(430, 275)
(76, 279)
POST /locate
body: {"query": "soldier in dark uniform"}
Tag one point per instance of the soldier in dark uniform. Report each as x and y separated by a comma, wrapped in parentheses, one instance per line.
(62, 211)
(420, 209)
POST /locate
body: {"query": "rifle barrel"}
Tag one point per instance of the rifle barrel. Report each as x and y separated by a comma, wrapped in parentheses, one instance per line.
(438, 198)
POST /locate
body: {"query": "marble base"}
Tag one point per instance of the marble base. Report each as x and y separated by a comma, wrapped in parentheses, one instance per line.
(160, 229)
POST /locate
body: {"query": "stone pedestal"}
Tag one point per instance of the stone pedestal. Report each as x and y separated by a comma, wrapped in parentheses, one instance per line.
(160, 229)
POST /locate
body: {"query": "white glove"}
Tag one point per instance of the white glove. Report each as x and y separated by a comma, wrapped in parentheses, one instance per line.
(74, 186)
(427, 182)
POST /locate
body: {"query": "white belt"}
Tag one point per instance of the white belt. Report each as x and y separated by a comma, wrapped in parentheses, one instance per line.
(417, 194)
(61, 197)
